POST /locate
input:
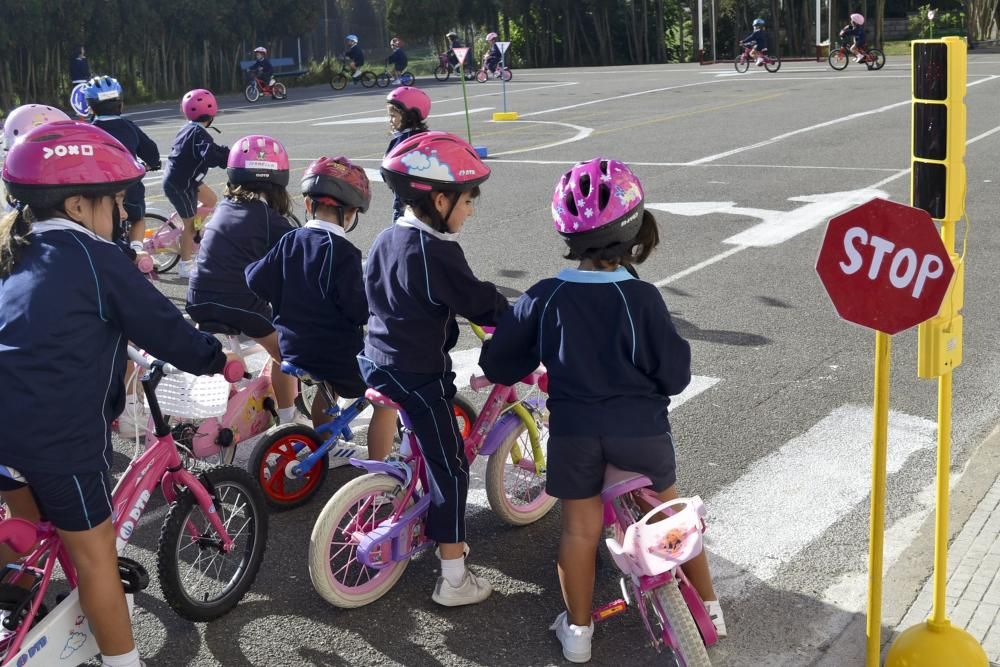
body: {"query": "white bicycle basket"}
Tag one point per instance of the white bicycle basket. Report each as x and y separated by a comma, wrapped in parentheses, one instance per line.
(193, 396)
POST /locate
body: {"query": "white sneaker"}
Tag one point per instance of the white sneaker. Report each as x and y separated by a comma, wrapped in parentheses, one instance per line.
(472, 590)
(575, 639)
(185, 268)
(342, 453)
(760, 61)
(132, 422)
(356, 74)
(859, 59)
(714, 610)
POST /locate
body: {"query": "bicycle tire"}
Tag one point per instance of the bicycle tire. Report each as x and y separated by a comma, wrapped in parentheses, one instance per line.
(481, 76)
(164, 259)
(838, 59)
(406, 79)
(252, 93)
(339, 81)
(741, 64)
(506, 74)
(879, 61)
(514, 508)
(465, 414)
(773, 65)
(272, 457)
(675, 619)
(441, 73)
(328, 529)
(229, 484)
(368, 79)
(383, 80)
(279, 92)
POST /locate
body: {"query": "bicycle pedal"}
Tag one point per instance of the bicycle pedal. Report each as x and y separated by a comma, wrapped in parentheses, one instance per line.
(134, 576)
(607, 611)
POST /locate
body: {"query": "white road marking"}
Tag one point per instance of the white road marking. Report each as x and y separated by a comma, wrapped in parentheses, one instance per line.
(383, 118)
(581, 134)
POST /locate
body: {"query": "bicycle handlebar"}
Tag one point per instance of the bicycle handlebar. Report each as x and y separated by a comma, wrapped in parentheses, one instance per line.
(234, 370)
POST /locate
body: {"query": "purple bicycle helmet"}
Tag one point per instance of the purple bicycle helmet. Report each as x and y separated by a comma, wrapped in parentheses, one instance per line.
(597, 204)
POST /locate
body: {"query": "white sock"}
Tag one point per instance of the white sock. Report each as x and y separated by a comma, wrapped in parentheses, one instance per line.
(286, 415)
(453, 570)
(130, 659)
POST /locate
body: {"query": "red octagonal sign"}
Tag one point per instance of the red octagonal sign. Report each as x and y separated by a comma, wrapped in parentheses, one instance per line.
(884, 266)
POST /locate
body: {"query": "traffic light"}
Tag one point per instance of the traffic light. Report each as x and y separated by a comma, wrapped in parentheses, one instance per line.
(939, 80)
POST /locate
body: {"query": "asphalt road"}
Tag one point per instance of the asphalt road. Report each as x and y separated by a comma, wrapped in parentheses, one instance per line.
(743, 172)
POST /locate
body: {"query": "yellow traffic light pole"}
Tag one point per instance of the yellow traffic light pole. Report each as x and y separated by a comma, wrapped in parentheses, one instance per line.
(876, 530)
(938, 185)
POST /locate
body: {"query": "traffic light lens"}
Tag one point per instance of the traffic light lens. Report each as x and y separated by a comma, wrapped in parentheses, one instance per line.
(929, 187)
(930, 131)
(930, 71)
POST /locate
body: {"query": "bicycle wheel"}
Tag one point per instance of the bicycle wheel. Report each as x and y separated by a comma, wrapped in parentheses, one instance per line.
(406, 79)
(470, 72)
(383, 79)
(252, 93)
(678, 626)
(878, 59)
(506, 74)
(772, 65)
(741, 64)
(199, 581)
(274, 457)
(368, 79)
(481, 76)
(165, 254)
(838, 59)
(515, 491)
(339, 81)
(359, 506)
(441, 73)
(278, 91)
(465, 414)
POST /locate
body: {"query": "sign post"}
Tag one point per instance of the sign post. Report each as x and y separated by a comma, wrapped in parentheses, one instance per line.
(884, 267)
(504, 115)
(460, 53)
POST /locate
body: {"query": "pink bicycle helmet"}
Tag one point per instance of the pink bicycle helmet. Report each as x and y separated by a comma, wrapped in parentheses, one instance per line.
(408, 97)
(199, 104)
(597, 204)
(432, 161)
(858, 19)
(25, 118)
(337, 182)
(257, 159)
(492, 37)
(66, 158)
(260, 49)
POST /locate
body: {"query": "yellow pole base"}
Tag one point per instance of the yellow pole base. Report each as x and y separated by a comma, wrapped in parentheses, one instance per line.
(504, 115)
(935, 645)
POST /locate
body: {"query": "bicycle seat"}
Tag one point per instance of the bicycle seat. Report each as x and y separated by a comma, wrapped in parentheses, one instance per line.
(618, 482)
(379, 398)
(218, 328)
(289, 368)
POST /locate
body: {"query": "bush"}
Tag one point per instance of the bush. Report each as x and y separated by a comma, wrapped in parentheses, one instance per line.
(945, 23)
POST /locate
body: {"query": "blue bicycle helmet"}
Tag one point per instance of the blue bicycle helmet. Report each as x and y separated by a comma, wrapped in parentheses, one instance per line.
(757, 22)
(352, 38)
(103, 89)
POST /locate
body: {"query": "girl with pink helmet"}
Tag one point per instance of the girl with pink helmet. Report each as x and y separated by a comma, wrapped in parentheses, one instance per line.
(417, 280)
(614, 359)
(855, 30)
(249, 221)
(192, 154)
(408, 109)
(69, 301)
(493, 55)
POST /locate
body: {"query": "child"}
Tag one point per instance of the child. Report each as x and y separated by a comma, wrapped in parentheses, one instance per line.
(193, 153)
(417, 280)
(69, 301)
(262, 68)
(354, 55)
(20, 121)
(408, 109)
(453, 43)
(397, 59)
(314, 282)
(493, 56)
(856, 30)
(613, 359)
(245, 226)
(758, 40)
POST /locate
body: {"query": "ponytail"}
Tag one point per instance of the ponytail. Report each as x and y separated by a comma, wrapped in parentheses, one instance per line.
(14, 230)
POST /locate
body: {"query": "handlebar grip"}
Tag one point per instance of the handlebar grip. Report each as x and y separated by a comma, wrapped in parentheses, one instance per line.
(234, 371)
(477, 382)
(145, 264)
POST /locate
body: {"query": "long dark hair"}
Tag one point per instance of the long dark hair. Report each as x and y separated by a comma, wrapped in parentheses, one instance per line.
(276, 195)
(15, 233)
(636, 251)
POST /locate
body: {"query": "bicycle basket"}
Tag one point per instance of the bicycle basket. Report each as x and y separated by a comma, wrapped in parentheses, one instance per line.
(649, 549)
(193, 396)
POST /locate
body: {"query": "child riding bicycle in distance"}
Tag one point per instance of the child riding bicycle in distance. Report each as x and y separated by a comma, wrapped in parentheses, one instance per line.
(493, 56)
(192, 154)
(397, 59)
(262, 68)
(613, 358)
(315, 285)
(856, 30)
(354, 56)
(408, 109)
(453, 43)
(757, 39)
(245, 226)
(417, 280)
(69, 302)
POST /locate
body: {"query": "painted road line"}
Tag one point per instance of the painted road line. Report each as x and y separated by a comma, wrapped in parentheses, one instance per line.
(792, 496)
(384, 119)
(581, 134)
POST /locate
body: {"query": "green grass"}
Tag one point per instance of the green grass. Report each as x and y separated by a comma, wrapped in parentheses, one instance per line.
(900, 48)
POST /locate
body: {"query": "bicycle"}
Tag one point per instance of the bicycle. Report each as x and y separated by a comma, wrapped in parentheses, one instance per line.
(650, 554)
(369, 529)
(258, 87)
(340, 79)
(501, 71)
(840, 57)
(742, 61)
(386, 77)
(215, 521)
(445, 69)
(291, 461)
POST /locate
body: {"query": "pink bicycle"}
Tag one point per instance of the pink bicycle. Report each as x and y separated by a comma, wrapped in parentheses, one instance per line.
(742, 61)
(372, 526)
(211, 546)
(649, 546)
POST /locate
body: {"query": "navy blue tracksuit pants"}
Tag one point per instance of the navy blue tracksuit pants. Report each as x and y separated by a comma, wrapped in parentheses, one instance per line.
(427, 401)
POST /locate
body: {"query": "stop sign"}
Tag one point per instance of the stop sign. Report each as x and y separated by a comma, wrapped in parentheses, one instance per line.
(884, 266)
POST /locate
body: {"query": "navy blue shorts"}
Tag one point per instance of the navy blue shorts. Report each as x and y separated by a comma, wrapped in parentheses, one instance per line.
(183, 199)
(248, 313)
(576, 463)
(68, 502)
